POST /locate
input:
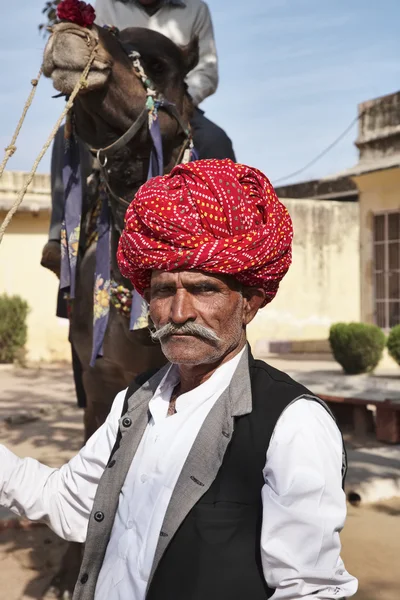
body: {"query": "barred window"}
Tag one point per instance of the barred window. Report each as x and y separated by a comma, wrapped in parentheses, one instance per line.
(386, 269)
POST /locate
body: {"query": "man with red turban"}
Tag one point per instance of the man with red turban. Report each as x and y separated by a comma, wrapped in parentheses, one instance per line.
(218, 477)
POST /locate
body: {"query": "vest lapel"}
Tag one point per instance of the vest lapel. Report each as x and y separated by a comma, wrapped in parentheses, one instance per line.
(131, 425)
(206, 455)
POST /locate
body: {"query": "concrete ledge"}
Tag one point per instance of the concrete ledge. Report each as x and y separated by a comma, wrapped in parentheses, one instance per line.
(375, 490)
(37, 197)
(285, 347)
(374, 473)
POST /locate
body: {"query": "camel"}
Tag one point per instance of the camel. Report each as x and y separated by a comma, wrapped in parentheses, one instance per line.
(103, 111)
(107, 107)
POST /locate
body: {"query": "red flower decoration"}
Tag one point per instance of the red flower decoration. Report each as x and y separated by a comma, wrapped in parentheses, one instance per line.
(77, 12)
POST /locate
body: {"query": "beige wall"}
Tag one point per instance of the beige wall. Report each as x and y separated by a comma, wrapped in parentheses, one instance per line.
(323, 283)
(21, 273)
(379, 191)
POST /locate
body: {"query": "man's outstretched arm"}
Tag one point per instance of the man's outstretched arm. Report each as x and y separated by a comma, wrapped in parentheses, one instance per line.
(63, 498)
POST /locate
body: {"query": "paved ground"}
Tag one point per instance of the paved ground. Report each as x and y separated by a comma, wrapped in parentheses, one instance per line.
(47, 394)
(325, 376)
(53, 432)
(45, 399)
(374, 469)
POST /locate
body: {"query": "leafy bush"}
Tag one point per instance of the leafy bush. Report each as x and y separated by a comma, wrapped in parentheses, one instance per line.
(393, 343)
(13, 328)
(357, 347)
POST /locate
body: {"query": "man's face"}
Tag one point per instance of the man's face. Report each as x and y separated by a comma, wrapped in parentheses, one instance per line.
(199, 318)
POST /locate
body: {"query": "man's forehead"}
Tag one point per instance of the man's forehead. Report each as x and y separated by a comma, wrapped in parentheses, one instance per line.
(189, 276)
(192, 274)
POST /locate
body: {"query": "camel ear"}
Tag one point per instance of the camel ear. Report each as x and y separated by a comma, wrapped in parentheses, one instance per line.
(191, 54)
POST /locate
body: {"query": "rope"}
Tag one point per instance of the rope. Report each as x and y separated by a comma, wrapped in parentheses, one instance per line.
(11, 148)
(80, 84)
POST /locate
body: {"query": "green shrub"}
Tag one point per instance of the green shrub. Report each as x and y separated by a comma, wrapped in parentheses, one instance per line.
(13, 328)
(393, 343)
(357, 347)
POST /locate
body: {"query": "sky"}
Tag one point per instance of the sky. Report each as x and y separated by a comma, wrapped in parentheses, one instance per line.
(291, 75)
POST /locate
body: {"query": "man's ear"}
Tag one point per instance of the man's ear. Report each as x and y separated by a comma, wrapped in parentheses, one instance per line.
(191, 54)
(254, 299)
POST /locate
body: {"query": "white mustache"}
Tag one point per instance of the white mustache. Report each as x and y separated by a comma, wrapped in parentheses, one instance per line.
(188, 328)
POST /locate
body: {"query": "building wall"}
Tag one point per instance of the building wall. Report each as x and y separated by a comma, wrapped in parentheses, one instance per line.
(21, 273)
(323, 283)
(378, 191)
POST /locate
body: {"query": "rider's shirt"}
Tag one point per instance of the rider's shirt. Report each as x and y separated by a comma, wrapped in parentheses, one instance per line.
(180, 21)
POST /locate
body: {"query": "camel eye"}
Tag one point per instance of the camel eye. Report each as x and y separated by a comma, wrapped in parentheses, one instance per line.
(157, 66)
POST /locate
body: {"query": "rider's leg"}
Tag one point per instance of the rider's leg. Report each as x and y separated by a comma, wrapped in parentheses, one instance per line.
(51, 254)
(210, 140)
(57, 187)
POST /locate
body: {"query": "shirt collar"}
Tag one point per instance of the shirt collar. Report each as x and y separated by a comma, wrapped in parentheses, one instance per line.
(217, 383)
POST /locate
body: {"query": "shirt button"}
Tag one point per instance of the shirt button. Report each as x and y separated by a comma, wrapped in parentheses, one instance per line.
(126, 422)
(129, 524)
(98, 516)
(144, 478)
(84, 578)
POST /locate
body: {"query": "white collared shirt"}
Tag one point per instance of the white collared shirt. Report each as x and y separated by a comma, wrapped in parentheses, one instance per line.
(304, 506)
(150, 482)
(180, 23)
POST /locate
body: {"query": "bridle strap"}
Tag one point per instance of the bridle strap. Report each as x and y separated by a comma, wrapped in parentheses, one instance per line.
(155, 101)
(118, 199)
(172, 110)
(125, 138)
(135, 128)
(125, 203)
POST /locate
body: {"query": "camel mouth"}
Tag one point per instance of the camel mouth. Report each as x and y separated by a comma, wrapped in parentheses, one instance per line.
(67, 53)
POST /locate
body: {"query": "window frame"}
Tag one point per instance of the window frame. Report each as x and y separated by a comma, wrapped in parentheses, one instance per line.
(385, 242)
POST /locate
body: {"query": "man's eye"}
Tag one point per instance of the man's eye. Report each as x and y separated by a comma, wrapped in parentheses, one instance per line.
(162, 292)
(205, 289)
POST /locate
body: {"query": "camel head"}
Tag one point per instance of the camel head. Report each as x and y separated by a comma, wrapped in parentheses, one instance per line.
(114, 96)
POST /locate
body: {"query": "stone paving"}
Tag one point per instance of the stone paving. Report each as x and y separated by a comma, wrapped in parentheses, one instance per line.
(325, 377)
(47, 425)
(374, 469)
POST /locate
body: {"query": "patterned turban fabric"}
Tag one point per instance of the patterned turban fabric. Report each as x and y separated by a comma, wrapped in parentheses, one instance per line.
(214, 216)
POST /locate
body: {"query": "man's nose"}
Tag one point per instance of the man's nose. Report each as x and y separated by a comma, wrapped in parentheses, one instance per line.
(182, 309)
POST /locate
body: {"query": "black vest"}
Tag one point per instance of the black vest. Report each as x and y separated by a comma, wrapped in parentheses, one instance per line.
(215, 554)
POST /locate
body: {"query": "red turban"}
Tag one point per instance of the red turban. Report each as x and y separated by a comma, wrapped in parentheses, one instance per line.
(210, 215)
